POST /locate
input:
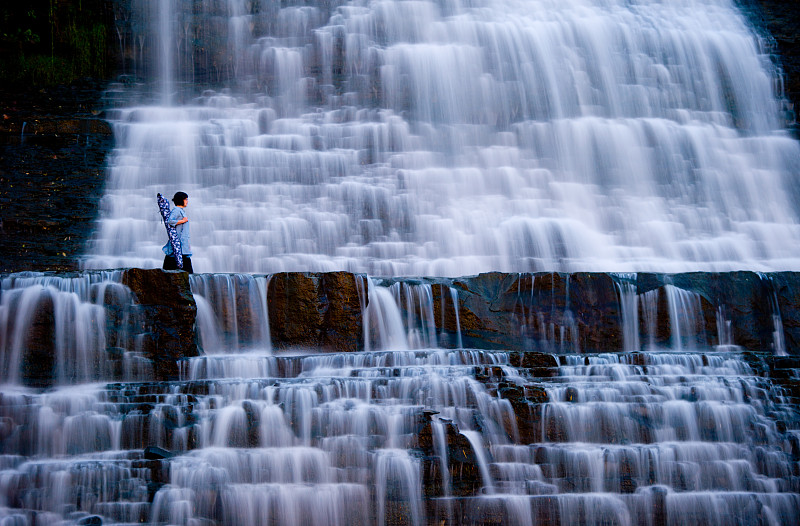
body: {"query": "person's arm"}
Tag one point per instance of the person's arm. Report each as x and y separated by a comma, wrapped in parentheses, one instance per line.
(174, 215)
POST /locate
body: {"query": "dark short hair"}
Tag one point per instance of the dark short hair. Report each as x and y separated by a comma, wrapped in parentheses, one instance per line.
(179, 197)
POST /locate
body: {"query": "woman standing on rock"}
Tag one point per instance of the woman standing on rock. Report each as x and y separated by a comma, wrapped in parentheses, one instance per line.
(180, 221)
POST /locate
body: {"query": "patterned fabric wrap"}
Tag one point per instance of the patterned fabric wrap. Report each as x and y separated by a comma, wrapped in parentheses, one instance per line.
(174, 240)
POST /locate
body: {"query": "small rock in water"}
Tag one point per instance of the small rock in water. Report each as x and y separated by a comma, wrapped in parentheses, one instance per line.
(157, 453)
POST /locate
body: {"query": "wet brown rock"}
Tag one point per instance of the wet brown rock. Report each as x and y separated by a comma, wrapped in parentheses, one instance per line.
(295, 315)
(524, 401)
(462, 465)
(169, 312)
(744, 299)
(484, 325)
(545, 312)
(343, 322)
(465, 476)
(315, 311)
(538, 361)
(594, 301)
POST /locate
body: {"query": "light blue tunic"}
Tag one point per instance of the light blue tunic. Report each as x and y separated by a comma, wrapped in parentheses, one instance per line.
(175, 215)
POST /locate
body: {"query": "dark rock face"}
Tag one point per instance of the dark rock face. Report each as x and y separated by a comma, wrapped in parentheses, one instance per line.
(168, 314)
(781, 19)
(526, 402)
(462, 466)
(38, 366)
(42, 130)
(744, 301)
(786, 289)
(53, 151)
(544, 312)
(530, 315)
(315, 311)
(583, 312)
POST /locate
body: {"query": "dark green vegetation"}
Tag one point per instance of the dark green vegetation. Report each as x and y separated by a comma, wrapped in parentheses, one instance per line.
(48, 42)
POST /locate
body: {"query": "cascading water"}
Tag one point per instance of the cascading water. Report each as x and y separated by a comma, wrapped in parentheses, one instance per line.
(384, 328)
(75, 329)
(231, 312)
(629, 305)
(451, 138)
(414, 436)
(689, 437)
(421, 138)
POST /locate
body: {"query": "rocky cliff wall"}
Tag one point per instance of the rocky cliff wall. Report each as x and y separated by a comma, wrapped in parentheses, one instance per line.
(590, 312)
(780, 20)
(535, 317)
(53, 148)
(167, 318)
(543, 312)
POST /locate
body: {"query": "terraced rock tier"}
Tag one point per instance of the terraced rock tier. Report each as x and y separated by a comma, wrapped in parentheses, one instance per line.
(412, 437)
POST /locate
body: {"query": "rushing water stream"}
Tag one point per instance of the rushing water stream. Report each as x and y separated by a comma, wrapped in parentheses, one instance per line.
(454, 137)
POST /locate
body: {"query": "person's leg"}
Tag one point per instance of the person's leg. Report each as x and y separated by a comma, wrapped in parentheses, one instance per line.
(187, 264)
(169, 263)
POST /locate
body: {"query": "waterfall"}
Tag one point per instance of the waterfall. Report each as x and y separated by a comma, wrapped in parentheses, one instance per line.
(415, 436)
(417, 302)
(454, 300)
(383, 323)
(428, 138)
(166, 39)
(232, 312)
(684, 313)
(424, 138)
(70, 329)
(778, 338)
(402, 315)
(440, 445)
(683, 321)
(629, 305)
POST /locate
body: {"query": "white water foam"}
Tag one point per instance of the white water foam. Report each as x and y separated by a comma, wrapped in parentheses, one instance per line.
(451, 138)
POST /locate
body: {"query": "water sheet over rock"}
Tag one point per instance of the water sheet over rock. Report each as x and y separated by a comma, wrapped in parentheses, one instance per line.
(428, 138)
